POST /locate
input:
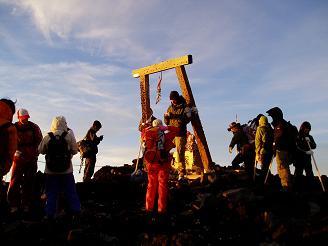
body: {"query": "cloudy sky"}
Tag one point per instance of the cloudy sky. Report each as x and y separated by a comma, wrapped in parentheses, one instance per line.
(75, 58)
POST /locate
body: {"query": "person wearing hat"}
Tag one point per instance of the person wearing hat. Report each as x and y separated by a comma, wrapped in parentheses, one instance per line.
(8, 136)
(303, 153)
(24, 168)
(281, 146)
(90, 161)
(179, 115)
(244, 149)
(263, 145)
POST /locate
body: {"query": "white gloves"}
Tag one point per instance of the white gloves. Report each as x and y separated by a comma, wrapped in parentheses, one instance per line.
(309, 152)
(18, 153)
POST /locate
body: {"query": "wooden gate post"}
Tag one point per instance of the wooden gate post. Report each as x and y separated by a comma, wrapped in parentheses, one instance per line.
(178, 64)
(195, 121)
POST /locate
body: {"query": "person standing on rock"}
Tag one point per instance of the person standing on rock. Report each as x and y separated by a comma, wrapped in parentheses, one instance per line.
(25, 166)
(59, 146)
(91, 159)
(159, 141)
(8, 136)
(178, 114)
(263, 145)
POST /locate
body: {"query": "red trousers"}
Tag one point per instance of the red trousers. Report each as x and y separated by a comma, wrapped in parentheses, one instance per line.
(158, 176)
(20, 190)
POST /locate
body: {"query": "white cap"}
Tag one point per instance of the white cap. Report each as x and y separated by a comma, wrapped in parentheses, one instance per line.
(157, 122)
(22, 112)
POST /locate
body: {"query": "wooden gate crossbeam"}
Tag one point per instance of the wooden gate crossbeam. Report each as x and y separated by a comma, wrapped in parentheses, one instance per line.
(178, 64)
(162, 66)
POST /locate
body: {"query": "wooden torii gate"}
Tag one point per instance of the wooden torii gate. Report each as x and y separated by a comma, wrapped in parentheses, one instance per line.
(178, 64)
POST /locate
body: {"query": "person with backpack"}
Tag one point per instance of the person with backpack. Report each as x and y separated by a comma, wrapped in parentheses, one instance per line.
(91, 158)
(8, 136)
(284, 142)
(263, 145)
(59, 146)
(178, 114)
(25, 165)
(245, 149)
(159, 141)
(304, 152)
(141, 127)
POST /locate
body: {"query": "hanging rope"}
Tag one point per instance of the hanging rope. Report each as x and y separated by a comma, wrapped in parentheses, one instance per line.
(158, 91)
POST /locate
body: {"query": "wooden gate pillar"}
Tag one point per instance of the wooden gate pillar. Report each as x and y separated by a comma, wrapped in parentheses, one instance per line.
(178, 64)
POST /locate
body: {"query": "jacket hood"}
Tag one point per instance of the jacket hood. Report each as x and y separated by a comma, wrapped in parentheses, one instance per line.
(263, 121)
(5, 113)
(58, 124)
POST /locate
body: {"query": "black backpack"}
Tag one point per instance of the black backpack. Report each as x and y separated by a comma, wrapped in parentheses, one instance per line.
(58, 157)
(292, 139)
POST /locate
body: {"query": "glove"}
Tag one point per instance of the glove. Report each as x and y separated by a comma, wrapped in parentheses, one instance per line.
(101, 137)
(309, 152)
(18, 154)
(167, 115)
(163, 128)
(307, 139)
(230, 150)
(188, 112)
(194, 110)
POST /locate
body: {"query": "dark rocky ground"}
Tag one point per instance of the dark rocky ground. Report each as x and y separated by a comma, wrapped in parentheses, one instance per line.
(230, 210)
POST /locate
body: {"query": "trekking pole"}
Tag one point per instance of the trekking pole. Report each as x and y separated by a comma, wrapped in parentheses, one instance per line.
(81, 165)
(269, 169)
(140, 147)
(254, 174)
(316, 167)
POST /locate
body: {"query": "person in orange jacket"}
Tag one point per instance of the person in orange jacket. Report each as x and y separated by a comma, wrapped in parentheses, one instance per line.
(159, 141)
(8, 136)
(25, 166)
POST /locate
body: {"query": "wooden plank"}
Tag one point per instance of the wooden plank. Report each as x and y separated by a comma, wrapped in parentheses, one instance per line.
(144, 93)
(162, 66)
(195, 121)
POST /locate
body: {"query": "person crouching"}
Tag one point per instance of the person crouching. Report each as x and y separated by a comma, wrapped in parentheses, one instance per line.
(157, 159)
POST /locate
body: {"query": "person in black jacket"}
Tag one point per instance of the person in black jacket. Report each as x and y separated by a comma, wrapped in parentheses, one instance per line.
(90, 160)
(303, 157)
(282, 146)
(246, 152)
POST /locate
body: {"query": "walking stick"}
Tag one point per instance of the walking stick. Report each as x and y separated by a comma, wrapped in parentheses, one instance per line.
(316, 167)
(254, 175)
(140, 147)
(269, 169)
(81, 165)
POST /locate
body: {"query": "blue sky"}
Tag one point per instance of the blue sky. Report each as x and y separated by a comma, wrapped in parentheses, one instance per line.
(75, 58)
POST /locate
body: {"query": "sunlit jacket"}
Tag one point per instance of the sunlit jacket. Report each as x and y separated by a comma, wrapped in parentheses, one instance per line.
(264, 139)
(58, 126)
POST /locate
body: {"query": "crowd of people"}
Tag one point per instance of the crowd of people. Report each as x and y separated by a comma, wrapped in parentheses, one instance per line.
(21, 144)
(280, 140)
(257, 144)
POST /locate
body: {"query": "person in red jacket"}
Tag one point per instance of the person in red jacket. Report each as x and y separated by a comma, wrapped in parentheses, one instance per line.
(24, 168)
(159, 141)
